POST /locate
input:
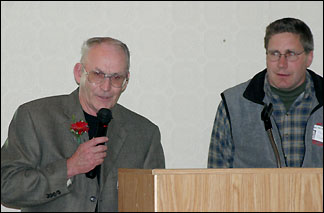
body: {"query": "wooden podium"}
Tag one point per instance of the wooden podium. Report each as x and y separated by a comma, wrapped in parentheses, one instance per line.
(202, 190)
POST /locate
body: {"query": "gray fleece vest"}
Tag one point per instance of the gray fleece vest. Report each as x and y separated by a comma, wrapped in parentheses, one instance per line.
(244, 104)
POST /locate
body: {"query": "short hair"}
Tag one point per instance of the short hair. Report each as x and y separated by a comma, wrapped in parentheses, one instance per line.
(108, 40)
(291, 25)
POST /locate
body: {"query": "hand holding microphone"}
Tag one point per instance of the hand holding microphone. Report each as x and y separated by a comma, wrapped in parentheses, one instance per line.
(90, 153)
(86, 155)
(104, 116)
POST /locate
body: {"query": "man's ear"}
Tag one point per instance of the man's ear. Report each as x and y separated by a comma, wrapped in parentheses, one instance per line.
(309, 59)
(77, 71)
(124, 87)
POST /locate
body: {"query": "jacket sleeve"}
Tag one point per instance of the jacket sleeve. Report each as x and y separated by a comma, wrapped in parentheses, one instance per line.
(155, 156)
(23, 182)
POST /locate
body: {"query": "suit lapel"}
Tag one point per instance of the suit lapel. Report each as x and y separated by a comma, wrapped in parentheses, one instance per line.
(72, 108)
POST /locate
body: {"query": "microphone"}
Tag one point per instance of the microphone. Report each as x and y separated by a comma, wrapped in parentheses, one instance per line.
(265, 116)
(104, 116)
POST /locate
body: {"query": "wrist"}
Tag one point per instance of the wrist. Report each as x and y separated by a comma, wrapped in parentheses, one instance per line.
(70, 168)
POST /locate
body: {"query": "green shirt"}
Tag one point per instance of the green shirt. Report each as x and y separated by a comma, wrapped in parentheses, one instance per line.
(289, 97)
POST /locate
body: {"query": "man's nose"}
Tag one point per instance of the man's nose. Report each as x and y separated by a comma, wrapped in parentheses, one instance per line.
(282, 61)
(106, 84)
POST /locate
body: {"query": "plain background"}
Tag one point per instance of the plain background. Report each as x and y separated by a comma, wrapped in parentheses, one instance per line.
(183, 55)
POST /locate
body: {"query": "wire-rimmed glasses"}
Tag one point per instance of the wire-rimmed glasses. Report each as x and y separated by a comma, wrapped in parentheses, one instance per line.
(97, 77)
(289, 55)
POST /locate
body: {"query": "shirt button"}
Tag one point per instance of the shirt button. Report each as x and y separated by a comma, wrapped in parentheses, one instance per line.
(93, 198)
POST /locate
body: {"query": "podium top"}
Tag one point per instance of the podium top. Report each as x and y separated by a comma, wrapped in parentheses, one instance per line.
(286, 170)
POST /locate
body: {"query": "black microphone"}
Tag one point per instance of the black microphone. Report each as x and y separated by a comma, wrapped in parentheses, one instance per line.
(265, 116)
(104, 116)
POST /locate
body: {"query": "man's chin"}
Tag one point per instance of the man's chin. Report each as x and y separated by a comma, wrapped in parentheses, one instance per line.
(107, 106)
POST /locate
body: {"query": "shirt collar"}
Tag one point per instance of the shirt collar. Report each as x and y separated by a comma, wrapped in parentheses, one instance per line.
(255, 90)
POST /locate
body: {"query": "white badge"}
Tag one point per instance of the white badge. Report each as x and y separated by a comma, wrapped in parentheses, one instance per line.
(318, 133)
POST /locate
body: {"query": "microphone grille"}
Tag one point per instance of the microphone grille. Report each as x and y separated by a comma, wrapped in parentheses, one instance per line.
(104, 115)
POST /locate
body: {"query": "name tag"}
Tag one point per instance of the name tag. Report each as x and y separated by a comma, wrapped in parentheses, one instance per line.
(318, 134)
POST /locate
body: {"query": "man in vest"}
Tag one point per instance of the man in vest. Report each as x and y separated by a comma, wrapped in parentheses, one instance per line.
(239, 137)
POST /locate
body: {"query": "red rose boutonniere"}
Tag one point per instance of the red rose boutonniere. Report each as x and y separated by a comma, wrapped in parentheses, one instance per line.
(78, 128)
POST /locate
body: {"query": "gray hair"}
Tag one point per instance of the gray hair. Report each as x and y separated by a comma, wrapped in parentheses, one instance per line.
(291, 25)
(108, 40)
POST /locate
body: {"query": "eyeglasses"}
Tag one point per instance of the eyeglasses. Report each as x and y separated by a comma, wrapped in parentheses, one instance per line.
(289, 55)
(97, 77)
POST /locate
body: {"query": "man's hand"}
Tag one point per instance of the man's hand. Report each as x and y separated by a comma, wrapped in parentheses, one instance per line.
(87, 156)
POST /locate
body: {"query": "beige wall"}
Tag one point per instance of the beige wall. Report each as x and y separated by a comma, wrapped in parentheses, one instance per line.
(183, 55)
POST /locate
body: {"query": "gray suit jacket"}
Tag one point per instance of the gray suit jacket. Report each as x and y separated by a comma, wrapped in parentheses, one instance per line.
(33, 159)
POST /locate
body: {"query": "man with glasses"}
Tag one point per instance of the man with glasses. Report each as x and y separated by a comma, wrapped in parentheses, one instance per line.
(294, 136)
(52, 142)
